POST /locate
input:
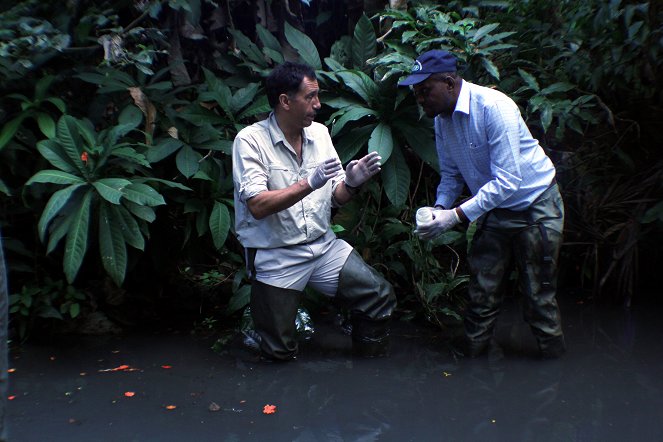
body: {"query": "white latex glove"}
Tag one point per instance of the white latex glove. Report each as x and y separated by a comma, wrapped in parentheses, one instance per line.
(324, 172)
(357, 172)
(443, 220)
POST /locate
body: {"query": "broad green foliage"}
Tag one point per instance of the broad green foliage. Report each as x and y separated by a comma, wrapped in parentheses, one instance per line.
(98, 170)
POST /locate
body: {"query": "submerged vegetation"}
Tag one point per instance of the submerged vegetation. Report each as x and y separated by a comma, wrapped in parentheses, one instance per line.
(117, 120)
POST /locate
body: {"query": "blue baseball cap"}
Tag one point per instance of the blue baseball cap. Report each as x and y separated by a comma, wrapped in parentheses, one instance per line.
(428, 63)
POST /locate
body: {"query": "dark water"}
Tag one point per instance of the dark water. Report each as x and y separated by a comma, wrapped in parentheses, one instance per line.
(609, 387)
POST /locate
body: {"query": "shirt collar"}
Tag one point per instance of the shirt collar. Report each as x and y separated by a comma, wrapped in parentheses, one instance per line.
(276, 133)
(463, 103)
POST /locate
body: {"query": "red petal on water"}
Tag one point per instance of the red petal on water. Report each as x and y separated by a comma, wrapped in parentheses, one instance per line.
(269, 409)
(171, 407)
(167, 366)
(129, 393)
(11, 398)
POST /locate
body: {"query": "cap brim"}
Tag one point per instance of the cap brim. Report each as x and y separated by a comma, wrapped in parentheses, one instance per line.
(413, 79)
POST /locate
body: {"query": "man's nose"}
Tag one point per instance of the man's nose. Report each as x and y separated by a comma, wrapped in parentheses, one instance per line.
(316, 103)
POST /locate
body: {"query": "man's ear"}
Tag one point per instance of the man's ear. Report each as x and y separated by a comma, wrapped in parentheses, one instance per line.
(284, 101)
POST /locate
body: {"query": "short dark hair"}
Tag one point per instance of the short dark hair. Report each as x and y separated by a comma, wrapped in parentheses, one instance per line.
(285, 79)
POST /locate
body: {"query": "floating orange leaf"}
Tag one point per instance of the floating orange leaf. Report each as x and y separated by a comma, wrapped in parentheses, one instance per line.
(11, 398)
(269, 409)
(167, 366)
(171, 407)
(11, 370)
(120, 368)
(129, 393)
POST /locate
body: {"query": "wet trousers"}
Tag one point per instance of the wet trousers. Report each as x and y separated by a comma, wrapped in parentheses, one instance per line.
(531, 240)
(369, 298)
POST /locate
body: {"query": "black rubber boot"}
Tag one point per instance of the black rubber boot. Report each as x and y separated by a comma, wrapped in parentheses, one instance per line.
(552, 348)
(274, 311)
(371, 301)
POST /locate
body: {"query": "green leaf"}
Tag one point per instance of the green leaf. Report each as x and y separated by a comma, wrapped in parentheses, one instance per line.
(69, 138)
(353, 114)
(112, 247)
(361, 84)
(143, 212)
(396, 178)
(187, 161)
(110, 189)
(529, 80)
(363, 42)
(59, 230)
(9, 130)
(53, 207)
(483, 31)
(219, 224)
(46, 124)
(557, 87)
(247, 47)
(239, 299)
(381, 141)
(243, 97)
(269, 41)
(143, 195)
(54, 177)
(162, 150)
(74, 309)
(77, 238)
(422, 141)
(546, 116)
(303, 45)
(353, 141)
(55, 154)
(130, 154)
(491, 68)
(129, 227)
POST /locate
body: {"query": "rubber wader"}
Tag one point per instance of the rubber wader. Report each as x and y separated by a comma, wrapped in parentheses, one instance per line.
(370, 300)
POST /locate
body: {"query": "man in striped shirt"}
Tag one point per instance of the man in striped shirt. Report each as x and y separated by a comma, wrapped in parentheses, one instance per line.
(483, 143)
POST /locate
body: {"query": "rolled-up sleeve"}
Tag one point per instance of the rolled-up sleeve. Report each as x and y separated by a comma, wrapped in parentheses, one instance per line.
(249, 169)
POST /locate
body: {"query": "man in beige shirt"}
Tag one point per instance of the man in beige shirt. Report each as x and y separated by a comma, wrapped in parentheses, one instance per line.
(287, 178)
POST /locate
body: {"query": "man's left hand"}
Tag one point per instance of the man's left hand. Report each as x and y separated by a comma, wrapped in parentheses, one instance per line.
(359, 171)
(443, 220)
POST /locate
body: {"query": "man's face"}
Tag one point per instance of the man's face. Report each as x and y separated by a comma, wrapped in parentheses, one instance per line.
(304, 104)
(436, 96)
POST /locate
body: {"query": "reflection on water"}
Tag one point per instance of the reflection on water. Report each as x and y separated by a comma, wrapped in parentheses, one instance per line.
(608, 387)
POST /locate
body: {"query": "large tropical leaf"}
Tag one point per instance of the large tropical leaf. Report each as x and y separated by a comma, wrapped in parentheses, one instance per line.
(187, 161)
(381, 141)
(243, 97)
(363, 42)
(396, 178)
(77, 238)
(112, 247)
(219, 224)
(362, 85)
(303, 45)
(130, 228)
(165, 148)
(110, 189)
(143, 195)
(53, 207)
(54, 177)
(421, 141)
(54, 153)
(247, 47)
(353, 114)
(142, 212)
(353, 141)
(71, 141)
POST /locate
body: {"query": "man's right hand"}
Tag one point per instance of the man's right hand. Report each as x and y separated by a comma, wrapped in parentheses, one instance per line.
(324, 172)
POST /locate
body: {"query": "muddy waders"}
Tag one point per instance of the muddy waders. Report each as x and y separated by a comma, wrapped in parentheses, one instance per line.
(370, 299)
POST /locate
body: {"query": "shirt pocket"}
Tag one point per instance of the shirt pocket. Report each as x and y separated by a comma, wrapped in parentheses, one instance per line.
(280, 177)
(479, 154)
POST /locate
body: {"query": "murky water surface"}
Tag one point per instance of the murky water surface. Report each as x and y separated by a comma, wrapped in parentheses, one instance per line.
(609, 387)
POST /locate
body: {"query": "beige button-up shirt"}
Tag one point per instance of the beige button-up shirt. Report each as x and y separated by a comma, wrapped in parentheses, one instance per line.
(264, 160)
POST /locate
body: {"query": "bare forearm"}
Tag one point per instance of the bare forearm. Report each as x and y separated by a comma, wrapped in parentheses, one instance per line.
(342, 195)
(272, 201)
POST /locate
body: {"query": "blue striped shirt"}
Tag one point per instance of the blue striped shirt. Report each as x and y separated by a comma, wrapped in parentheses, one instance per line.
(487, 145)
